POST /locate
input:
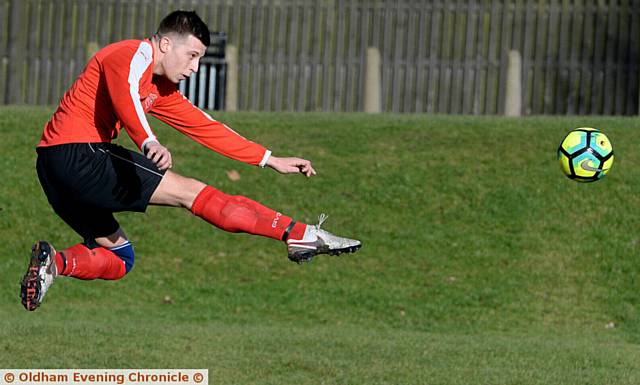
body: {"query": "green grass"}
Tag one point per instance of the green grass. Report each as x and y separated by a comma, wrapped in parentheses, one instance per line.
(481, 262)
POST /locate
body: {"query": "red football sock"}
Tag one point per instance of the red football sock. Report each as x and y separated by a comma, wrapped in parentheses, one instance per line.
(235, 213)
(85, 263)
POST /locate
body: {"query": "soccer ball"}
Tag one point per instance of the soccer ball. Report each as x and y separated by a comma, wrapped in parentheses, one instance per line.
(585, 155)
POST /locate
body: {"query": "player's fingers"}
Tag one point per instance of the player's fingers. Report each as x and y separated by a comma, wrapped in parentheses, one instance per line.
(158, 157)
(161, 161)
(307, 169)
(154, 155)
(310, 171)
(166, 159)
(300, 163)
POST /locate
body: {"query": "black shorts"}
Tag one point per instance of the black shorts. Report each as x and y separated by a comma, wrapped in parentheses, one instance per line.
(86, 183)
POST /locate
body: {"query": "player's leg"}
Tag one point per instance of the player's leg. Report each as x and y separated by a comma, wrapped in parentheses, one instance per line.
(84, 187)
(236, 213)
(109, 257)
(78, 261)
(100, 255)
(106, 178)
(232, 213)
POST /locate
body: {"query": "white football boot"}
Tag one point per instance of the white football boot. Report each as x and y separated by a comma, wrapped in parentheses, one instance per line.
(317, 241)
(40, 275)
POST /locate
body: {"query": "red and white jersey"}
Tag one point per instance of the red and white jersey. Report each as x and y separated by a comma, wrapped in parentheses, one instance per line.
(117, 88)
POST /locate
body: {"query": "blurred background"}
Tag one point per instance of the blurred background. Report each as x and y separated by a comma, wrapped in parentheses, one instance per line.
(519, 57)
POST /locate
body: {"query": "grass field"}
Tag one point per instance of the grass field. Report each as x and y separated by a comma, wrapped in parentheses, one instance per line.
(481, 263)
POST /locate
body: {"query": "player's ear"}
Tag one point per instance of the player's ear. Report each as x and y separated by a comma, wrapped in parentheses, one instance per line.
(164, 44)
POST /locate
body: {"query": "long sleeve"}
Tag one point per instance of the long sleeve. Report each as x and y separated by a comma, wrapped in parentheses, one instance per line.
(178, 112)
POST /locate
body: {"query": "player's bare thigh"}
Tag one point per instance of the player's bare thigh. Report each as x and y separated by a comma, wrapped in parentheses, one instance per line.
(176, 190)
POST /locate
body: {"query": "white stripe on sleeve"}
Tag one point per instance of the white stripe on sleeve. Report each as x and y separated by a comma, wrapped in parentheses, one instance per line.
(142, 59)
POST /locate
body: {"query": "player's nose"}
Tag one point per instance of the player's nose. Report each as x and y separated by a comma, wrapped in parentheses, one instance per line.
(194, 66)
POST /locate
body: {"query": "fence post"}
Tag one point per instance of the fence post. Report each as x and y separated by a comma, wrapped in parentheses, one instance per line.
(16, 49)
(372, 86)
(231, 99)
(513, 96)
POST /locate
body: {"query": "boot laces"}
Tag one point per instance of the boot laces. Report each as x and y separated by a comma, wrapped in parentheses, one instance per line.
(321, 218)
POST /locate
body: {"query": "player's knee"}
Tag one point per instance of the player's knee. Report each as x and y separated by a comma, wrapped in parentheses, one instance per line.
(126, 253)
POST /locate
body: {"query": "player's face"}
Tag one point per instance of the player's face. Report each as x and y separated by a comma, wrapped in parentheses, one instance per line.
(182, 57)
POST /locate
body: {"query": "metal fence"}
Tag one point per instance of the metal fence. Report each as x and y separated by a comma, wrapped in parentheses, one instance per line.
(578, 56)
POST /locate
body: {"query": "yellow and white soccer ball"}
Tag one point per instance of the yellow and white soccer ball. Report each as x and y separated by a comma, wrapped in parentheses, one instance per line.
(585, 155)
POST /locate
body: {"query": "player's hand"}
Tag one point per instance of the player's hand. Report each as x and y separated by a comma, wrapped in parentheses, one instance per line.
(291, 165)
(158, 155)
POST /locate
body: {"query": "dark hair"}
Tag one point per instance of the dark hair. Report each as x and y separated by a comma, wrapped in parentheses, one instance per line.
(184, 23)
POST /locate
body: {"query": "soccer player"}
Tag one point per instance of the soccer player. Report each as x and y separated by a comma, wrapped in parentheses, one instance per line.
(86, 178)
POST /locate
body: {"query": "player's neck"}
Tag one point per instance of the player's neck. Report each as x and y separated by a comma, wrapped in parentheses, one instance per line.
(158, 69)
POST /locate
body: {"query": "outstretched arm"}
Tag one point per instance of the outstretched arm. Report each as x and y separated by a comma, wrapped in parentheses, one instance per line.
(175, 110)
(178, 112)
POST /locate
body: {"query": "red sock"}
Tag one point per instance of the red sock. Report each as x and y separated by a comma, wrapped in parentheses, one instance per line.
(235, 213)
(84, 263)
